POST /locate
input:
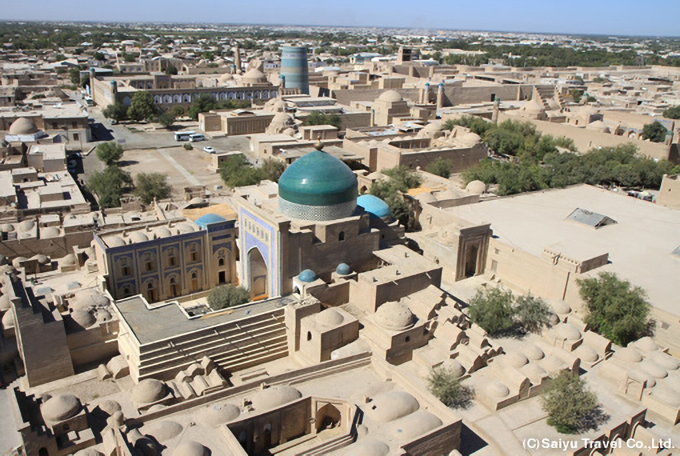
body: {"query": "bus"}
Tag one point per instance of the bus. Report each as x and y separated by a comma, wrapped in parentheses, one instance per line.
(183, 135)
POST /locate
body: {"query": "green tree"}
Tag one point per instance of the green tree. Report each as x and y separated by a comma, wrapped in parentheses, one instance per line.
(236, 171)
(402, 178)
(445, 385)
(672, 113)
(654, 131)
(226, 296)
(152, 186)
(166, 119)
(170, 70)
(576, 95)
(108, 185)
(440, 167)
(116, 111)
(141, 106)
(615, 309)
(74, 75)
(109, 152)
(317, 118)
(203, 103)
(272, 169)
(99, 56)
(531, 313)
(569, 404)
(492, 310)
(85, 81)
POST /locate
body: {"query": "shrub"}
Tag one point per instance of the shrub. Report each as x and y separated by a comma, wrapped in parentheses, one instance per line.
(440, 167)
(226, 296)
(188, 147)
(109, 153)
(446, 386)
(492, 310)
(569, 404)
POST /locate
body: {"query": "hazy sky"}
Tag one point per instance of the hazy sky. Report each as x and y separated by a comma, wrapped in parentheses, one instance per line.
(621, 17)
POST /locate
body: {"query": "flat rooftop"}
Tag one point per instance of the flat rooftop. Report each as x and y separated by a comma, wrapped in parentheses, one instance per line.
(640, 244)
(164, 321)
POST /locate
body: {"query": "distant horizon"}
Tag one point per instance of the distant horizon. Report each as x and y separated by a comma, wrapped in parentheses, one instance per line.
(620, 18)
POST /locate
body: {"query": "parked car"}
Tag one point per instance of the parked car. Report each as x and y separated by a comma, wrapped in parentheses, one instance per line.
(208, 149)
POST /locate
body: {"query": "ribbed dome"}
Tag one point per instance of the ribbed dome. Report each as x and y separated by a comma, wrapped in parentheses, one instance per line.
(321, 181)
(23, 126)
(329, 318)
(61, 407)
(375, 207)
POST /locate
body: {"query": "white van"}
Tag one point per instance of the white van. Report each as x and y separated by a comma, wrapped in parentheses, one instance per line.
(196, 137)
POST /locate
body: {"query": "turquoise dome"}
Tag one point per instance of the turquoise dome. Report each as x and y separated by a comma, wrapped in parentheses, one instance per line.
(376, 207)
(307, 276)
(343, 269)
(318, 179)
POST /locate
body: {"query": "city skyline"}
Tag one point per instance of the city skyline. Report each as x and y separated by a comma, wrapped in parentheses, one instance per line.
(521, 16)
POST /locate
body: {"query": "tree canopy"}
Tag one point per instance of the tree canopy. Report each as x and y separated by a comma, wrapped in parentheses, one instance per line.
(654, 131)
(236, 171)
(672, 113)
(499, 312)
(615, 308)
(108, 185)
(141, 106)
(440, 167)
(317, 118)
(391, 190)
(570, 405)
(205, 102)
(109, 152)
(445, 385)
(226, 296)
(116, 111)
(151, 186)
(167, 119)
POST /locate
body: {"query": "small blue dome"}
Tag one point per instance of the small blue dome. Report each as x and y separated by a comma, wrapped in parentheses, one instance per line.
(307, 276)
(343, 269)
(207, 219)
(376, 207)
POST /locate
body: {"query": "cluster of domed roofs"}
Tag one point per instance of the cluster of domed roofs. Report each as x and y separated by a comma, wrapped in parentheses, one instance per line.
(158, 232)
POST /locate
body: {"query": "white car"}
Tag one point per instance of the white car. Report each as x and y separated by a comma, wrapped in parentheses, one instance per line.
(208, 149)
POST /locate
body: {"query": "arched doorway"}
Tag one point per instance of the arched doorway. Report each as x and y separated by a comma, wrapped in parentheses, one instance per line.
(258, 274)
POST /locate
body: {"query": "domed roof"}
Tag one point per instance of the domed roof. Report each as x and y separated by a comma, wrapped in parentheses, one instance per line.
(60, 407)
(254, 75)
(533, 107)
(395, 316)
(84, 318)
(50, 232)
(41, 259)
(165, 430)
(454, 367)
(666, 395)
(226, 77)
(18, 260)
(534, 372)
(641, 376)
(516, 359)
(646, 344)
(148, 390)
(476, 186)
(162, 232)
(533, 352)
(390, 96)
(497, 389)
(561, 307)
(7, 228)
(138, 236)
(185, 227)
(318, 179)
(414, 425)
(88, 452)
(273, 397)
(307, 276)
(289, 132)
(343, 269)
(23, 126)
(190, 448)
(367, 447)
(426, 197)
(390, 406)
(660, 358)
(26, 225)
(653, 369)
(568, 331)
(68, 260)
(5, 303)
(89, 299)
(197, 201)
(375, 207)
(470, 139)
(115, 241)
(215, 415)
(630, 354)
(110, 407)
(207, 219)
(586, 354)
(330, 318)
(8, 320)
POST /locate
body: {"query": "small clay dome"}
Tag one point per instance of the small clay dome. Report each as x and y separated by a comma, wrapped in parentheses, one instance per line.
(23, 126)
(197, 201)
(185, 228)
(68, 260)
(533, 352)
(288, 132)
(497, 389)
(470, 139)
(367, 447)
(254, 76)
(586, 354)
(568, 331)
(647, 344)
(630, 354)
(395, 316)
(476, 187)
(330, 318)
(660, 358)
(41, 259)
(161, 232)
(454, 367)
(414, 425)
(148, 391)
(88, 452)
(60, 407)
(516, 359)
(653, 369)
(115, 241)
(307, 276)
(641, 376)
(8, 320)
(426, 197)
(138, 236)
(390, 406)
(343, 269)
(7, 228)
(553, 364)
(667, 395)
(110, 407)
(83, 318)
(273, 397)
(26, 225)
(18, 260)
(390, 96)
(216, 415)
(165, 430)
(50, 232)
(5, 303)
(534, 372)
(561, 307)
(89, 299)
